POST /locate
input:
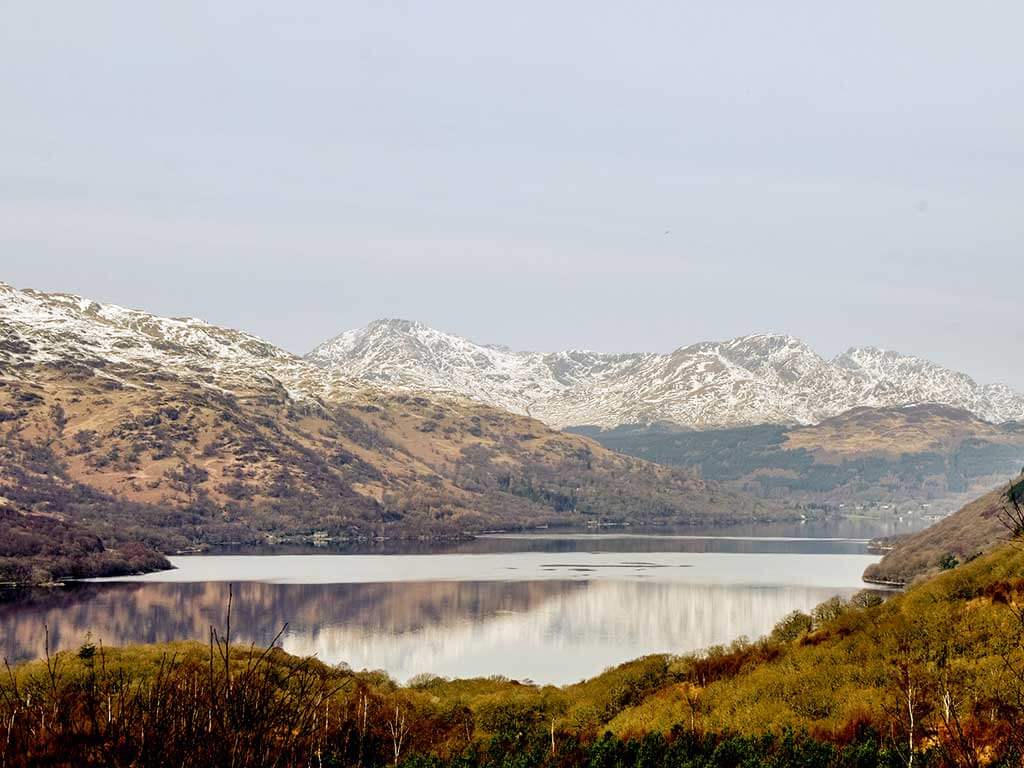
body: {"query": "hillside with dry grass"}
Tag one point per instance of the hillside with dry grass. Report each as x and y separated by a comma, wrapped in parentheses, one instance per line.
(978, 527)
(133, 455)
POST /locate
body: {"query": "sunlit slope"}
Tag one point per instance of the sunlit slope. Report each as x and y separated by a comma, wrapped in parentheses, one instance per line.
(183, 434)
(976, 528)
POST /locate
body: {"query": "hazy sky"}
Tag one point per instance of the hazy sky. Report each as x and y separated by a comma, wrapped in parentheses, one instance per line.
(615, 176)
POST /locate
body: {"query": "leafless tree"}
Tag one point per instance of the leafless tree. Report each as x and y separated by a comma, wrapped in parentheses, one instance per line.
(398, 727)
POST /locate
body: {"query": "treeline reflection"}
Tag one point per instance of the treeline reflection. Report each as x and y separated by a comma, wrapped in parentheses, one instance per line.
(548, 631)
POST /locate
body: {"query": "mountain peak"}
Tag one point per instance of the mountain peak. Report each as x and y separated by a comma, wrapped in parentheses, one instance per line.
(769, 337)
(394, 323)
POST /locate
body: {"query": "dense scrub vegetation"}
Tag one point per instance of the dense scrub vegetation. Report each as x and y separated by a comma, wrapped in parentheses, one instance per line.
(37, 550)
(45, 531)
(934, 676)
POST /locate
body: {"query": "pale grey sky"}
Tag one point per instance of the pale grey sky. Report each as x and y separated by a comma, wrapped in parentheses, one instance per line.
(616, 176)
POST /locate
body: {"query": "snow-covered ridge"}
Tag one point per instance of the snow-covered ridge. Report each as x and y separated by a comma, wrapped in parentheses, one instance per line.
(766, 378)
(48, 328)
(762, 378)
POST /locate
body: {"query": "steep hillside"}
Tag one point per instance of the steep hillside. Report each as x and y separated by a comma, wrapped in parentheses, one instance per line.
(978, 527)
(917, 454)
(180, 434)
(746, 381)
(352, 468)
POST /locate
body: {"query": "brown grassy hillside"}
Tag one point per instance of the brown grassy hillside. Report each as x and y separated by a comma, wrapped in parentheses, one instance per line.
(178, 463)
(976, 528)
(895, 431)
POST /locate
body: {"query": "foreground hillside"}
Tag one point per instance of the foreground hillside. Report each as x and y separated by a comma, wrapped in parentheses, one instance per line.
(930, 677)
(144, 434)
(909, 456)
(978, 527)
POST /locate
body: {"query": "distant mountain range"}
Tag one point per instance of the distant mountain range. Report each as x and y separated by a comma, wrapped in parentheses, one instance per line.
(757, 379)
(750, 380)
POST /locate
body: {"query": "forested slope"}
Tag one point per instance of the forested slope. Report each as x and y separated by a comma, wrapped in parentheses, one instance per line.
(909, 456)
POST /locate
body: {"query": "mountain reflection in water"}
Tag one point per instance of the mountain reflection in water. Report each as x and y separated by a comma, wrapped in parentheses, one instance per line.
(551, 607)
(548, 631)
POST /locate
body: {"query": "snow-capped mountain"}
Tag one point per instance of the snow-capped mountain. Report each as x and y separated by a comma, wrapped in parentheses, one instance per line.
(764, 378)
(38, 327)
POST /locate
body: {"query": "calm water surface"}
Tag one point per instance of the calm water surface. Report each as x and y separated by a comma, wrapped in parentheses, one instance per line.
(549, 607)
